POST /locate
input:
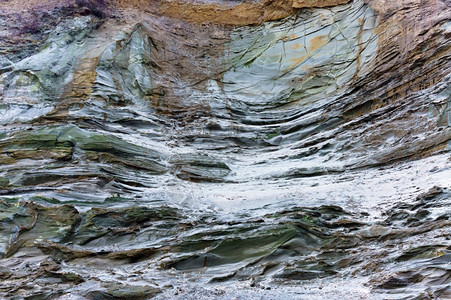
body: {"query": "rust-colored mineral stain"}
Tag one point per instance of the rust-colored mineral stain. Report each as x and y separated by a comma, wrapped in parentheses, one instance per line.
(289, 37)
(297, 61)
(317, 42)
(296, 46)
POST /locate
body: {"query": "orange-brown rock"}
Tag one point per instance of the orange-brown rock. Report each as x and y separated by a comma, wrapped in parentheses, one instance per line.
(412, 52)
(317, 3)
(223, 13)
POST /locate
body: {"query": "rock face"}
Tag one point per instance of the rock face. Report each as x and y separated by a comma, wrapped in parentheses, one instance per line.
(317, 3)
(170, 148)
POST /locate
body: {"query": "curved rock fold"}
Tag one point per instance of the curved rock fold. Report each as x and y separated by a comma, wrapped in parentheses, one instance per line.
(170, 148)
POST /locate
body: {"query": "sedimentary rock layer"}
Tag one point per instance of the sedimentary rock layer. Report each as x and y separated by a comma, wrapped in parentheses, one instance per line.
(168, 148)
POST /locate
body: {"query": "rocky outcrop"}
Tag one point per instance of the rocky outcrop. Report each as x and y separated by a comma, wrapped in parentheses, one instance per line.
(233, 13)
(256, 142)
(320, 242)
(317, 3)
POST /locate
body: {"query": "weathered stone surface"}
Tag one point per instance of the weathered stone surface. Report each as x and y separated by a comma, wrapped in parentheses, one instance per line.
(25, 223)
(199, 168)
(125, 66)
(31, 80)
(317, 3)
(297, 244)
(4, 182)
(302, 59)
(113, 290)
(233, 13)
(150, 147)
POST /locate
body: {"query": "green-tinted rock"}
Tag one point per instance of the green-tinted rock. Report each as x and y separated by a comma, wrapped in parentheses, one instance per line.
(297, 60)
(4, 182)
(25, 223)
(424, 252)
(59, 142)
(124, 69)
(100, 223)
(199, 168)
(45, 74)
(113, 290)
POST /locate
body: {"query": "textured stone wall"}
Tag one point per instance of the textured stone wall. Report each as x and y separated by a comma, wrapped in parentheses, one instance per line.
(212, 149)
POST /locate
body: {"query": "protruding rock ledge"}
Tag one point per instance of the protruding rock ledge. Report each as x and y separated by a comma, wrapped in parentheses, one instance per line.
(317, 3)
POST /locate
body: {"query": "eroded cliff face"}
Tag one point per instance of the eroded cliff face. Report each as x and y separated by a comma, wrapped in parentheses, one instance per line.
(200, 149)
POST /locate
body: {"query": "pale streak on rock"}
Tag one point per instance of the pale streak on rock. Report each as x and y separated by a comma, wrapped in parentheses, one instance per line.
(271, 179)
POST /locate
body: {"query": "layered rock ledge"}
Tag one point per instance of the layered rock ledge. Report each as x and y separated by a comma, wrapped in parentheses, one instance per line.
(219, 149)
